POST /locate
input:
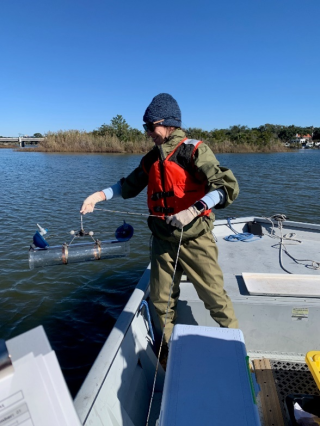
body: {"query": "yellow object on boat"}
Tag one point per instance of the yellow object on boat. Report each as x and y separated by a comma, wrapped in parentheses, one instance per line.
(313, 362)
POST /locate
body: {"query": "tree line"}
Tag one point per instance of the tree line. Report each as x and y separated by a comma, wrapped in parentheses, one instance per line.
(264, 134)
(119, 137)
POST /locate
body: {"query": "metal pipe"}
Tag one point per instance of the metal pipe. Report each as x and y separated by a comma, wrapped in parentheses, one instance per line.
(75, 253)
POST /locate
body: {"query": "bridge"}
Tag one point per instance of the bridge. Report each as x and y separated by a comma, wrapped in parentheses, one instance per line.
(22, 140)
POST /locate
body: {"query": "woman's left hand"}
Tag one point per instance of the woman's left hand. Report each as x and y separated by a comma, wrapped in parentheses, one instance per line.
(183, 218)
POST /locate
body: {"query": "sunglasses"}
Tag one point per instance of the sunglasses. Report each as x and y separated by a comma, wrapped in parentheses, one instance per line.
(151, 126)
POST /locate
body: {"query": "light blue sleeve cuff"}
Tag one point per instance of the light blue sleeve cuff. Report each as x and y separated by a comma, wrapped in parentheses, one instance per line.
(215, 197)
(113, 191)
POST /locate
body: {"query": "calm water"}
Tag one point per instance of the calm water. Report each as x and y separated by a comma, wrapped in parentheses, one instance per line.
(78, 304)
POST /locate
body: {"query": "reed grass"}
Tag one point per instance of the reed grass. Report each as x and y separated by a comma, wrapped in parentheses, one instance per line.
(80, 141)
(228, 146)
(77, 141)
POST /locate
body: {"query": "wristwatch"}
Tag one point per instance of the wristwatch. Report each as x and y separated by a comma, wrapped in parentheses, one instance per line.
(201, 206)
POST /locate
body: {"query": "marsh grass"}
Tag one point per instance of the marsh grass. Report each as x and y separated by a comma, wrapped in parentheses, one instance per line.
(227, 146)
(80, 141)
(77, 141)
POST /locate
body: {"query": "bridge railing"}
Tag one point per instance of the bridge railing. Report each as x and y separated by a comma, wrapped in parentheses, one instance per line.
(22, 140)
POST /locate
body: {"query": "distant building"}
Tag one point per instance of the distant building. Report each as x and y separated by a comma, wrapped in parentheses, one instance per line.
(301, 139)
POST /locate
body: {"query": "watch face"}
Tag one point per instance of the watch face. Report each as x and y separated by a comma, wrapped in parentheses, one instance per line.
(199, 206)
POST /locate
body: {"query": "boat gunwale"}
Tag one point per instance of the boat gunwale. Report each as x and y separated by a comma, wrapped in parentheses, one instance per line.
(286, 224)
(94, 381)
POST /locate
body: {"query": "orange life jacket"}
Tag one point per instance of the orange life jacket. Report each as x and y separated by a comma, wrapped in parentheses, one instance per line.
(171, 187)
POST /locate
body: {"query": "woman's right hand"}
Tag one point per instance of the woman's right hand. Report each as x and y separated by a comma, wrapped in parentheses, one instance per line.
(90, 202)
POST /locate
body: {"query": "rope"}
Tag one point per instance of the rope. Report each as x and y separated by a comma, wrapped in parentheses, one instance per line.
(314, 264)
(134, 214)
(244, 237)
(280, 218)
(165, 321)
(145, 304)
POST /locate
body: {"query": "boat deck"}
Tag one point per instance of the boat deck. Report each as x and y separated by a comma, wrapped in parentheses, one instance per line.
(278, 330)
(273, 325)
(262, 256)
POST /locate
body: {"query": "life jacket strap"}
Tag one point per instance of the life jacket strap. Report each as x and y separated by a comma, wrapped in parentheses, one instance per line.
(164, 210)
(158, 195)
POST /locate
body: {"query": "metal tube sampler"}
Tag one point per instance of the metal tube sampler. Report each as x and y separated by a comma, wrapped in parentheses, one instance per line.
(41, 254)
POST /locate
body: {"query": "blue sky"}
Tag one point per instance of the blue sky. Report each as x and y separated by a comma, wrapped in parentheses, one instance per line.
(75, 64)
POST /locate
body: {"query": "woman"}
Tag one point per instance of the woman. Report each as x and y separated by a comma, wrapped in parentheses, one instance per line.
(184, 182)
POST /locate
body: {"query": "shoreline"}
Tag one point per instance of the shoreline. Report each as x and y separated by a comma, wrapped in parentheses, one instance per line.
(8, 146)
(215, 151)
(75, 141)
(230, 149)
(234, 151)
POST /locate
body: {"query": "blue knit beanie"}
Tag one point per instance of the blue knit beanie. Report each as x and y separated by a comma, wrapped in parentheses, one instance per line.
(163, 106)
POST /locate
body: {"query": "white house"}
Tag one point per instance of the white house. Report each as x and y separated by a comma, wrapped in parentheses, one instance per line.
(305, 139)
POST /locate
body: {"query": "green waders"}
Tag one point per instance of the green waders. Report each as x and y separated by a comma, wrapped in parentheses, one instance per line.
(198, 259)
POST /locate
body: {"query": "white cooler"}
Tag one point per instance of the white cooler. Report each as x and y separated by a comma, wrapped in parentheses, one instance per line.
(207, 379)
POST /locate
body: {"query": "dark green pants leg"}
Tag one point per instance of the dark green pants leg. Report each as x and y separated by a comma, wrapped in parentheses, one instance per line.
(198, 259)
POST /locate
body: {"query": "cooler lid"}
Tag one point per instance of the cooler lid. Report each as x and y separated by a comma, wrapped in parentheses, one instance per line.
(207, 380)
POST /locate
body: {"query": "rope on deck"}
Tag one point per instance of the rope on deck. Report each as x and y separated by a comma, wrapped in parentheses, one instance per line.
(280, 218)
